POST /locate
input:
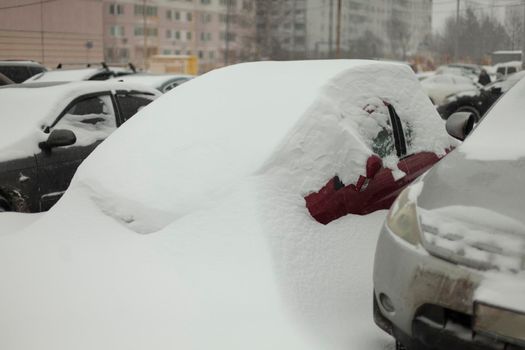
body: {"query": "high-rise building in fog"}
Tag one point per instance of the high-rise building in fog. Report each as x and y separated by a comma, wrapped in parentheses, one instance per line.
(218, 32)
(309, 27)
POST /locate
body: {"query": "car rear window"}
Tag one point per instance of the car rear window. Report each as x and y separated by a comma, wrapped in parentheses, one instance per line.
(18, 74)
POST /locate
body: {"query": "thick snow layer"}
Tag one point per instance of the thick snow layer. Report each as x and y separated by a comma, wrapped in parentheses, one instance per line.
(252, 272)
(13, 222)
(28, 108)
(482, 236)
(500, 135)
(152, 80)
(306, 121)
(216, 173)
(64, 75)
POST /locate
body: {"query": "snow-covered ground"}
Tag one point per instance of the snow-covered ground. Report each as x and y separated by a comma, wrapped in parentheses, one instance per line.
(187, 228)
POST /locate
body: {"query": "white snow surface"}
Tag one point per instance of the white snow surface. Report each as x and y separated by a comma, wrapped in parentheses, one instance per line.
(499, 135)
(216, 171)
(152, 80)
(64, 75)
(27, 109)
(303, 121)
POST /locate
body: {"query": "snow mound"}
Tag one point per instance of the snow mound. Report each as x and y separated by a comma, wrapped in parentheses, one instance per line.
(301, 121)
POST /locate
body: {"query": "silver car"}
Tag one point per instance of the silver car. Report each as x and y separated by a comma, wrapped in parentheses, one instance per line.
(450, 261)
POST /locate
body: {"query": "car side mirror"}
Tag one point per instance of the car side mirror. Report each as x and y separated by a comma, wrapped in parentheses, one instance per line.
(58, 138)
(460, 124)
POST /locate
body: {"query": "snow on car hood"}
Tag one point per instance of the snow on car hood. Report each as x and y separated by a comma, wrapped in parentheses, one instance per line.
(28, 108)
(303, 121)
(471, 212)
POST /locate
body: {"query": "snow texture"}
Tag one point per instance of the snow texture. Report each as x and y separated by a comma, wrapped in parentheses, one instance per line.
(304, 121)
(216, 172)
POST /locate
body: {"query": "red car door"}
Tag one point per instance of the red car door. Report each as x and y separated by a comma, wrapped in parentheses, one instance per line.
(378, 186)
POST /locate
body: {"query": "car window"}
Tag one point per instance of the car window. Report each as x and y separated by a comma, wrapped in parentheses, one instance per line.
(501, 70)
(130, 104)
(35, 70)
(91, 119)
(511, 70)
(377, 128)
(18, 74)
(173, 84)
(102, 76)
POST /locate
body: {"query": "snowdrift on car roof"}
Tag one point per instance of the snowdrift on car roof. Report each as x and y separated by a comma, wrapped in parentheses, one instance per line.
(303, 121)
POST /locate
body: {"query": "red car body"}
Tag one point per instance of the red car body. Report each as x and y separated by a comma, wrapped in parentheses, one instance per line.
(377, 188)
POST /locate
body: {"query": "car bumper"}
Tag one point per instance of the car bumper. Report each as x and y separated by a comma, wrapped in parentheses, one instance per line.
(427, 302)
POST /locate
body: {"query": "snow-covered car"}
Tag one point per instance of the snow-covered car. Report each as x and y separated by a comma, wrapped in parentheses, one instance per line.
(478, 102)
(49, 128)
(188, 228)
(19, 71)
(507, 68)
(161, 82)
(450, 261)
(439, 86)
(93, 73)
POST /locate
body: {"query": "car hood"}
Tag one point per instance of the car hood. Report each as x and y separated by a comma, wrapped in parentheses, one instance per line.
(491, 185)
(470, 213)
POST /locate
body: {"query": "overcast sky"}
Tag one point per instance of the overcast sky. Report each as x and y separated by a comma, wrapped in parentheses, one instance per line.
(443, 9)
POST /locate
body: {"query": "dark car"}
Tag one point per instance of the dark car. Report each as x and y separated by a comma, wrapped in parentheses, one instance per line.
(478, 102)
(48, 129)
(20, 71)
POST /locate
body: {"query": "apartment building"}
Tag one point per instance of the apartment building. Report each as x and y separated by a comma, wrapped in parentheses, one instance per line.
(309, 27)
(51, 32)
(218, 32)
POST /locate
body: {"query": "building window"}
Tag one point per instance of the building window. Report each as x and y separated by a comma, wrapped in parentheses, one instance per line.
(188, 35)
(206, 17)
(116, 31)
(168, 33)
(116, 9)
(169, 14)
(150, 10)
(205, 2)
(177, 15)
(166, 52)
(189, 16)
(139, 31)
(201, 54)
(177, 35)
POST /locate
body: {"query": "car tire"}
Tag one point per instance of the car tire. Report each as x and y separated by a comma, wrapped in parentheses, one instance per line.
(470, 109)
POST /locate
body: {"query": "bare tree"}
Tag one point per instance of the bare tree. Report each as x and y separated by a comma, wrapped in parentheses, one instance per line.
(514, 28)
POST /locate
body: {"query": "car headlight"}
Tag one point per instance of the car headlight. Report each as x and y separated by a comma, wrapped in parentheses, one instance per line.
(402, 219)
